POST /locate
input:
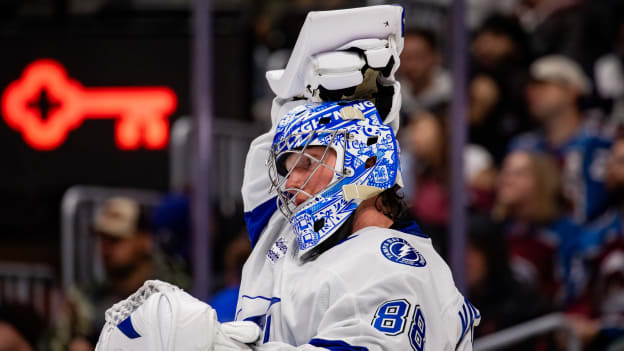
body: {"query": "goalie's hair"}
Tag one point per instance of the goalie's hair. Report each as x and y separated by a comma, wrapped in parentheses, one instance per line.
(392, 204)
(389, 202)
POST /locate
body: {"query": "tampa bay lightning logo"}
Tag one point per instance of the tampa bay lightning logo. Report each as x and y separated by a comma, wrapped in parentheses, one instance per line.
(400, 251)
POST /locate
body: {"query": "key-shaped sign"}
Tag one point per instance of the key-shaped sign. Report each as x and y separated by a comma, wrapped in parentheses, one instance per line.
(141, 113)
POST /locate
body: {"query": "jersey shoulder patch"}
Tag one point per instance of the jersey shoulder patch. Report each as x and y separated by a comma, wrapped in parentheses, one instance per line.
(398, 250)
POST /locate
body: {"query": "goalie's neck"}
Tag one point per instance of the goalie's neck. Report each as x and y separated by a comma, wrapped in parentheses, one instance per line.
(368, 215)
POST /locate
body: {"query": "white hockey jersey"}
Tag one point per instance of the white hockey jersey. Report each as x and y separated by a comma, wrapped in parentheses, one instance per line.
(380, 289)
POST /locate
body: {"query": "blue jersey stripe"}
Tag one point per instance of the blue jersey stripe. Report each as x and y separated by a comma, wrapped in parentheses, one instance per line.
(272, 300)
(408, 227)
(258, 218)
(336, 345)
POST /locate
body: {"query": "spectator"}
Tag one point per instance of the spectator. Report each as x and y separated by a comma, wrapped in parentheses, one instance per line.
(609, 76)
(499, 77)
(554, 26)
(480, 10)
(424, 83)
(576, 28)
(426, 174)
(21, 329)
(171, 226)
(502, 297)
(129, 257)
(224, 301)
(601, 323)
(606, 229)
(499, 45)
(610, 226)
(426, 142)
(531, 207)
(480, 175)
(553, 96)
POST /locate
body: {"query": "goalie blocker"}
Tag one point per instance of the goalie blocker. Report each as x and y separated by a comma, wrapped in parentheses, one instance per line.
(346, 54)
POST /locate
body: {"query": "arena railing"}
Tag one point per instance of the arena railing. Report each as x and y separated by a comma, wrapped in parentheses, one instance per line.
(79, 264)
(231, 142)
(230, 145)
(29, 284)
(523, 331)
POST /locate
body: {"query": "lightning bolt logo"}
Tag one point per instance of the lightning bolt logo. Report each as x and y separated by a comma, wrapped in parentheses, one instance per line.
(398, 250)
(404, 251)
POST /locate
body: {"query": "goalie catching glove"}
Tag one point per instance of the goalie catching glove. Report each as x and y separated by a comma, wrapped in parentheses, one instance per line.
(162, 317)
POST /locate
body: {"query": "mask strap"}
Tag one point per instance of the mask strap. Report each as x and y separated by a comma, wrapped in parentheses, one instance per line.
(359, 192)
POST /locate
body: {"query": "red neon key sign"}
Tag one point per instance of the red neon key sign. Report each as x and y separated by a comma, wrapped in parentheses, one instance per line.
(141, 113)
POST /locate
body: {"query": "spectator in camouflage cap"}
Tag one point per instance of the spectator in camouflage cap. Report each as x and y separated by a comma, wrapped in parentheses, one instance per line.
(129, 256)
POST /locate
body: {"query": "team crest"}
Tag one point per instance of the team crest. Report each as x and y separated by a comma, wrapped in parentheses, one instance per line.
(400, 251)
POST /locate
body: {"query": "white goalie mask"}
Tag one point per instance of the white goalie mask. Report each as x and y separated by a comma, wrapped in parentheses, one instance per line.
(367, 163)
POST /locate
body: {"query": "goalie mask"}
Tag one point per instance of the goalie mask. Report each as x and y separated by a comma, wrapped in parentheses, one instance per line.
(367, 163)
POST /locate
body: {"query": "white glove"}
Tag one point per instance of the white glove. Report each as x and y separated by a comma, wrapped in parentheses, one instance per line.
(162, 317)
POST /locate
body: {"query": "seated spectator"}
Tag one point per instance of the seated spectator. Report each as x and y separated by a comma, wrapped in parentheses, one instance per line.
(600, 323)
(480, 175)
(499, 75)
(579, 29)
(564, 132)
(424, 83)
(225, 300)
(428, 197)
(21, 328)
(531, 207)
(610, 226)
(554, 26)
(606, 229)
(171, 226)
(426, 174)
(491, 282)
(129, 257)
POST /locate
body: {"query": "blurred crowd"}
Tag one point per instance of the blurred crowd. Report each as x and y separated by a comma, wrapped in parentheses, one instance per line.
(131, 242)
(134, 243)
(544, 173)
(543, 168)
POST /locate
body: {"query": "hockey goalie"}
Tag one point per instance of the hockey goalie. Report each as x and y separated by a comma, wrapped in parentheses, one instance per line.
(336, 263)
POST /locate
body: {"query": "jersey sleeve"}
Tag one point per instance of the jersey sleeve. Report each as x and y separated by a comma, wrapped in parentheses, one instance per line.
(256, 182)
(461, 317)
(258, 202)
(259, 205)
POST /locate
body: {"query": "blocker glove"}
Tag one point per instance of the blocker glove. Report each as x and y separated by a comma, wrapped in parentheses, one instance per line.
(345, 54)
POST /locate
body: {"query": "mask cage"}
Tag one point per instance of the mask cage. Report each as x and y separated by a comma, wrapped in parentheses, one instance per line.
(292, 147)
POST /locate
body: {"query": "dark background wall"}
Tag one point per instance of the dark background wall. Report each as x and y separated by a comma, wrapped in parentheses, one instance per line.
(115, 47)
